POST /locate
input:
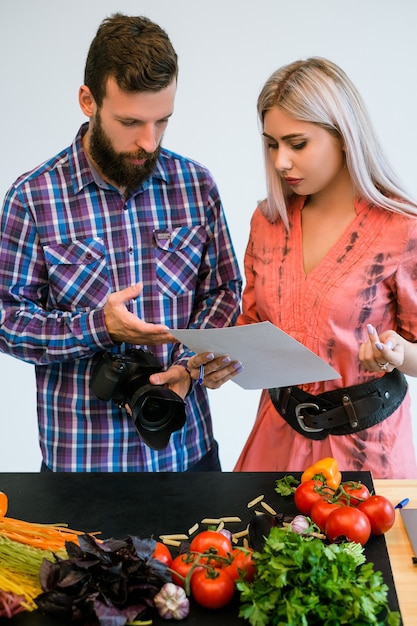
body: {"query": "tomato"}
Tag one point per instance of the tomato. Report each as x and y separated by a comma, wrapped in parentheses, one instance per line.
(307, 494)
(211, 542)
(181, 565)
(212, 588)
(381, 513)
(242, 565)
(349, 522)
(356, 493)
(162, 553)
(321, 510)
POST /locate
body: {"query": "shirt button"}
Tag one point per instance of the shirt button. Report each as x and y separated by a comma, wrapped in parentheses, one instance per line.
(130, 249)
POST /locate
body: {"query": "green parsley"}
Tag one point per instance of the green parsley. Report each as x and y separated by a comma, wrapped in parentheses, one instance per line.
(287, 485)
(301, 582)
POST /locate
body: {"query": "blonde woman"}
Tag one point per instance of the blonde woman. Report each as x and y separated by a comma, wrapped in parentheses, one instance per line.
(332, 261)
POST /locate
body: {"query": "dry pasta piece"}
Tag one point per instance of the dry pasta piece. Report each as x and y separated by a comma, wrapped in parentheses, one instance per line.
(268, 508)
(178, 536)
(171, 542)
(255, 501)
(193, 529)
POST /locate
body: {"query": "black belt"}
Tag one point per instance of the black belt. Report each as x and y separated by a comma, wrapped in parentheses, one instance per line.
(341, 411)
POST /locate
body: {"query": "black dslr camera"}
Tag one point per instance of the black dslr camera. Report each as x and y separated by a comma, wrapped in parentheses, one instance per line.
(156, 411)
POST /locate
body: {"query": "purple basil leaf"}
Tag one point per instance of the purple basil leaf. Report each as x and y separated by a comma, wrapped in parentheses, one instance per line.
(110, 615)
(144, 547)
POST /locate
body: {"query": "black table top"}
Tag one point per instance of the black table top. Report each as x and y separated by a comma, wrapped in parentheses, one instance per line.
(149, 505)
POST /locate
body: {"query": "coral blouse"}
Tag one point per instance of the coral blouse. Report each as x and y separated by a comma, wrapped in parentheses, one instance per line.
(369, 276)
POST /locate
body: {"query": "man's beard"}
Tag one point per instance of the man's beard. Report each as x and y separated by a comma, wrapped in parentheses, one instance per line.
(117, 167)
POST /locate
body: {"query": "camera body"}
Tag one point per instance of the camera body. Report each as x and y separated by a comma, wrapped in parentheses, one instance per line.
(124, 379)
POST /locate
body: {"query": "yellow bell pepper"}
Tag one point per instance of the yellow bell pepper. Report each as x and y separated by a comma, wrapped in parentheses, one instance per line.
(327, 470)
(4, 503)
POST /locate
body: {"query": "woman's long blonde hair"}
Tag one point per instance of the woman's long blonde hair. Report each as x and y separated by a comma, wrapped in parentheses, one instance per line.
(318, 91)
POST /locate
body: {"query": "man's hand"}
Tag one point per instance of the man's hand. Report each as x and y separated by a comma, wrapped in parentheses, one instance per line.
(176, 378)
(124, 326)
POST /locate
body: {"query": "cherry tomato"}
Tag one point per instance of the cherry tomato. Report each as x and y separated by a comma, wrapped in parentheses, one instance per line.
(162, 553)
(211, 542)
(356, 493)
(307, 494)
(381, 513)
(242, 565)
(212, 588)
(349, 522)
(181, 565)
(321, 510)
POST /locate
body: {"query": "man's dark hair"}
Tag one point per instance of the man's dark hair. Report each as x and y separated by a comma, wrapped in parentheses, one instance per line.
(135, 51)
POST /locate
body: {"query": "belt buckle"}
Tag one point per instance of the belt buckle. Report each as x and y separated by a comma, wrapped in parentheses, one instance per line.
(300, 418)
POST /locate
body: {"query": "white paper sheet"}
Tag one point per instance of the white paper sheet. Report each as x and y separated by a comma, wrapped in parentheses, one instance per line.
(271, 358)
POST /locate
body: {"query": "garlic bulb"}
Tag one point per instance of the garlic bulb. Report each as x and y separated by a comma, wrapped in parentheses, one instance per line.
(171, 602)
(300, 524)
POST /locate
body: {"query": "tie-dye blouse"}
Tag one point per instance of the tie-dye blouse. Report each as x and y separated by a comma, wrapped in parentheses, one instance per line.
(368, 276)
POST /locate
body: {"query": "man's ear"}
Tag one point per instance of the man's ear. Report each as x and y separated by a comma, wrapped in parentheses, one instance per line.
(86, 101)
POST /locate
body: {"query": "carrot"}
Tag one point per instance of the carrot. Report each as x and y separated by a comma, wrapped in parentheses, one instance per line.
(43, 536)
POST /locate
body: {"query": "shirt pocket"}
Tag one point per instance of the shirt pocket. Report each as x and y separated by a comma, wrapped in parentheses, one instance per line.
(78, 274)
(178, 255)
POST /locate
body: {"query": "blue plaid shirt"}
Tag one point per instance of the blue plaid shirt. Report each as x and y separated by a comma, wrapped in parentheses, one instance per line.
(68, 239)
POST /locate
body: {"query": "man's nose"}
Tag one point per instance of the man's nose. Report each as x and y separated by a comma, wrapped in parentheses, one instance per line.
(147, 138)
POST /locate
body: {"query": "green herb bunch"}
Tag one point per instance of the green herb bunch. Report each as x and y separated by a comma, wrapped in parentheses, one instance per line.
(303, 581)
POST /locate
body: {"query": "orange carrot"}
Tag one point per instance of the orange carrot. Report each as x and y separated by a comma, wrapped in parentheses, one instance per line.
(44, 536)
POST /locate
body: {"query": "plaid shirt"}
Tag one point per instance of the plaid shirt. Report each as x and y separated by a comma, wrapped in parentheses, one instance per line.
(68, 239)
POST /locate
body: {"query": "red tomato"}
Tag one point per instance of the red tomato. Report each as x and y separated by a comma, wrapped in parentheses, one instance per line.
(356, 492)
(242, 565)
(212, 588)
(181, 565)
(211, 542)
(162, 553)
(307, 494)
(349, 522)
(321, 510)
(381, 513)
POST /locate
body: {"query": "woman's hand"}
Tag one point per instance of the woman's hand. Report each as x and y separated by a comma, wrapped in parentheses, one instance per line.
(384, 352)
(211, 371)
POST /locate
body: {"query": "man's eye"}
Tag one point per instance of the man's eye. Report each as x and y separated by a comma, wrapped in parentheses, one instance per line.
(127, 123)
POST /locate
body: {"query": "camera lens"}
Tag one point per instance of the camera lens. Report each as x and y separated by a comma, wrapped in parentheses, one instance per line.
(157, 412)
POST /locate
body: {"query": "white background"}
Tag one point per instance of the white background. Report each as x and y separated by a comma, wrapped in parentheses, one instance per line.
(227, 49)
